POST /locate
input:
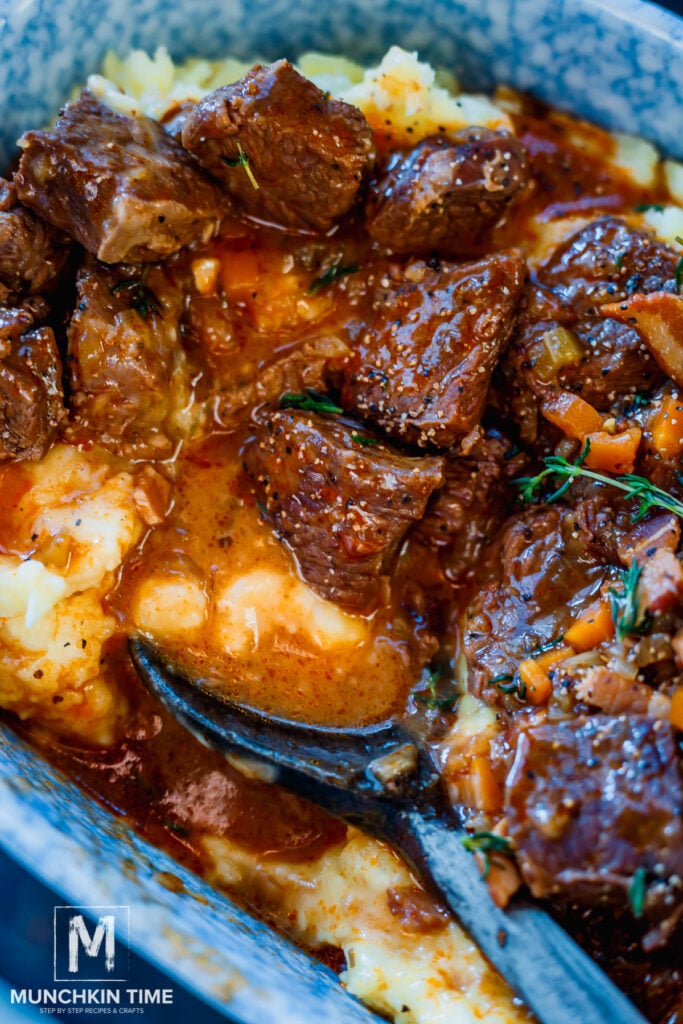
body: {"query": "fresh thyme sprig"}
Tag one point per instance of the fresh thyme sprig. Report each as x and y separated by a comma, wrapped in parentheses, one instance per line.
(637, 892)
(430, 696)
(646, 493)
(242, 160)
(332, 275)
(364, 440)
(487, 843)
(309, 401)
(624, 604)
(142, 298)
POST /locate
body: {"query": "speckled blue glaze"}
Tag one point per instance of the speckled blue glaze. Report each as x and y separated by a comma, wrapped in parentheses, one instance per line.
(619, 62)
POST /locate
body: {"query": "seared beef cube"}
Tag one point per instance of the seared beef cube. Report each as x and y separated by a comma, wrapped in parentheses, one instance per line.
(536, 579)
(32, 253)
(446, 194)
(31, 396)
(606, 262)
(285, 150)
(129, 378)
(466, 514)
(119, 185)
(590, 801)
(342, 506)
(612, 363)
(422, 369)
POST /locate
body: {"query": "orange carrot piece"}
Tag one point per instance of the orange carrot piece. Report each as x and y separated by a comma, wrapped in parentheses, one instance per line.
(613, 453)
(240, 271)
(537, 682)
(575, 417)
(667, 427)
(676, 711)
(659, 318)
(592, 628)
(550, 658)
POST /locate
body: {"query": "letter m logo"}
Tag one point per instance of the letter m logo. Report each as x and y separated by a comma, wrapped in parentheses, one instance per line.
(90, 943)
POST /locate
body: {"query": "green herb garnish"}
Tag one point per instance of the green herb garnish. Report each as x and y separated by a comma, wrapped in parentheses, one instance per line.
(174, 826)
(242, 160)
(679, 274)
(142, 299)
(263, 510)
(430, 696)
(332, 275)
(487, 843)
(644, 207)
(624, 605)
(364, 440)
(646, 493)
(309, 401)
(637, 891)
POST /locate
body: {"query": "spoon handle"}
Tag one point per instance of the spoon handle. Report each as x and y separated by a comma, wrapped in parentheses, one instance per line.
(551, 973)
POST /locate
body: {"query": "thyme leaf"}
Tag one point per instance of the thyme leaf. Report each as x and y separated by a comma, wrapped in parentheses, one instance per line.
(678, 273)
(644, 207)
(637, 891)
(142, 298)
(242, 160)
(646, 493)
(332, 275)
(486, 843)
(431, 698)
(624, 605)
(362, 439)
(309, 401)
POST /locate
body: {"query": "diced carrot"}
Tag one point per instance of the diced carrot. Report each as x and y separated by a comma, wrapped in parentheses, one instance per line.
(659, 318)
(503, 880)
(240, 271)
(575, 417)
(676, 712)
(613, 453)
(480, 788)
(551, 658)
(592, 628)
(537, 682)
(667, 427)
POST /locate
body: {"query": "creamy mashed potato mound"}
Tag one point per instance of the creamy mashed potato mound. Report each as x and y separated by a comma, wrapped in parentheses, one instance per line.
(78, 519)
(403, 96)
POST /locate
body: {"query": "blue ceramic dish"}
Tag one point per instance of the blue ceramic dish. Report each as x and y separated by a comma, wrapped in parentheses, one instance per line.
(618, 62)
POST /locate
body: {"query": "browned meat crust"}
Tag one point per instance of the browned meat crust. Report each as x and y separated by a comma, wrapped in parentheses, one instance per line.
(121, 186)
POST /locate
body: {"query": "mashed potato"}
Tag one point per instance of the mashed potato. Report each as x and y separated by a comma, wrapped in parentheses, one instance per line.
(416, 967)
(402, 96)
(74, 523)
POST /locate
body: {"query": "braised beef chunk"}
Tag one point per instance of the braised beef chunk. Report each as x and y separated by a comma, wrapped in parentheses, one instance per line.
(466, 514)
(536, 578)
(31, 396)
(119, 185)
(611, 362)
(32, 253)
(285, 150)
(590, 801)
(422, 369)
(607, 261)
(446, 194)
(129, 377)
(342, 506)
